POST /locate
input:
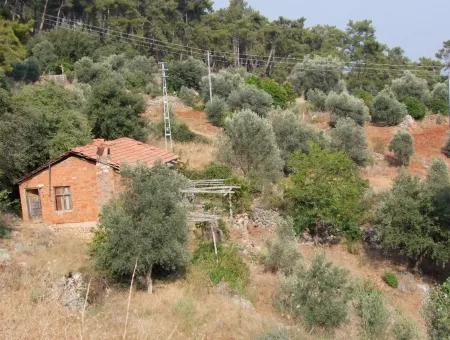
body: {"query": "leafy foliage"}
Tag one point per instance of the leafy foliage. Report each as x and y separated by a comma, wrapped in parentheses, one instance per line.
(114, 112)
(409, 85)
(437, 311)
(217, 111)
(325, 192)
(230, 268)
(222, 83)
(391, 279)
(344, 105)
(402, 147)
(250, 146)
(188, 96)
(317, 72)
(282, 252)
(186, 73)
(317, 99)
(439, 98)
(413, 220)
(248, 97)
(282, 95)
(292, 135)
(146, 223)
(350, 138)
(319, 294)
(387, 109)
(372, 311)
(415, 107)
(12, 39)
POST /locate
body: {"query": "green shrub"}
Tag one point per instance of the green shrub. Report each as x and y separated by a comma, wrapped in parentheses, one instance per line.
(228, 266)
(279, 93)
(317, 99)
(316, 72)
(222, 84)
(437, 312)
(282, 252)
(188, 96)
(350, 138)
(386, 109)
(372, 311)
(366, 96)
(344, 105)
(446, 148)
(278, 333)
(248, 97)
(27, 70)
(415, 107)
(325, 193)
(391, 279)
(318, 294)
(404, 329)
(409, 85)
(439, 98)
(186, 73)
(217, 111)
(144, 224)
(180, 132)
(402, 147)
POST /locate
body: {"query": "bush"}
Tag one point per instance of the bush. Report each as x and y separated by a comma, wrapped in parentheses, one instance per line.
(372, 311)
(318, 294)
(275, 334)
(86, 71)
(280, 94)
(249, 97)
(227, 267)
(146, 223)
(217, 111)
(188, 96)
(282, 252)
(180, 132)
(222, 84)
(44, 52)
(391, 279)
(404, 329)
(386, 109)
(249, 145)
(366, 96)
(402, 147)
(437, 311)
(317, 99)
(325, 193)
(415, 107)
(316, 72)
(446, 148)
(291, 135)
(28, 70)
(409, 85)
(439, 98)
(351, 139)
(186, 73)
(344, 105)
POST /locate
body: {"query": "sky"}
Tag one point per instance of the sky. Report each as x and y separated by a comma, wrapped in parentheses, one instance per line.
(417, 26)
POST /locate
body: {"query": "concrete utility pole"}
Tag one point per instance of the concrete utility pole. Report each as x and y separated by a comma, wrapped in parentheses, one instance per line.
(167, 127)
(209, 77)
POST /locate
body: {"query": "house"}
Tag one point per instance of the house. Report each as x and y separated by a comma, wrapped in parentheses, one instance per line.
(73, 187)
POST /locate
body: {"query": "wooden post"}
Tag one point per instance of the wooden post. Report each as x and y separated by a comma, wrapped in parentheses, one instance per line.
(129, 301)
(214, 241)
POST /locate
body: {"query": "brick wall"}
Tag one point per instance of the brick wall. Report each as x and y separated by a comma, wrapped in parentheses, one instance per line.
(81, 176)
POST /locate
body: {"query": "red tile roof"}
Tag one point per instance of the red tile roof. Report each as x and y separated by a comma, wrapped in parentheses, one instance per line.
(126, 151)
(122, 151)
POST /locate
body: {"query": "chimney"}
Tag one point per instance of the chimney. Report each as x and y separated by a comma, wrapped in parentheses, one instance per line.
(103, 153)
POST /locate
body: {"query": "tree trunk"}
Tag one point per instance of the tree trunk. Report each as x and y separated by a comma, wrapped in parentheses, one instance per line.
(272, 51)
(44, 12)
(149, 282)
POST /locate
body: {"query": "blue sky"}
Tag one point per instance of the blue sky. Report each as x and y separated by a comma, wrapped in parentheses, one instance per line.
(418, 26)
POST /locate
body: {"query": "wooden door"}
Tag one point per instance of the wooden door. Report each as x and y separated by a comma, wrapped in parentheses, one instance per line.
(34, 204)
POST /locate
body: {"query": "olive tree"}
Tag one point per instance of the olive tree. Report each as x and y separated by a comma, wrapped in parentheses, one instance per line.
(350, 138)
(437, 311)
(386, 109)
(249, 145)
(222, 83)
(439, 98)
(344, 105)
(248, 97)
(402, 147)
(317, 72)
(409, 85)
(144, 225)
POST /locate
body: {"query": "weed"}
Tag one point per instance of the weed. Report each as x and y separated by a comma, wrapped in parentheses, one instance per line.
(391, 279)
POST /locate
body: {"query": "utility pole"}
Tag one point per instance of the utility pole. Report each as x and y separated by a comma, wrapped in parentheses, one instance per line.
(167, 127)
(448, 69)
(209, 77)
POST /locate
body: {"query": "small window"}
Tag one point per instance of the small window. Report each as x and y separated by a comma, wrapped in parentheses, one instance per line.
(63, 199)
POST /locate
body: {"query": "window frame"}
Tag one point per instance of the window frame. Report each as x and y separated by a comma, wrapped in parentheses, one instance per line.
(65, 197)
